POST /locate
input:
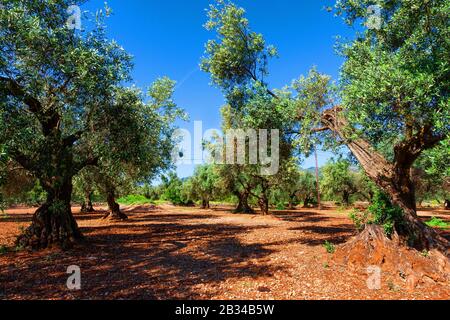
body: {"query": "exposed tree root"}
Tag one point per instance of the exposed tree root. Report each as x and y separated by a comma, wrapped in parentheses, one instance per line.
(87, 208)
(373, 248)
(115, 215)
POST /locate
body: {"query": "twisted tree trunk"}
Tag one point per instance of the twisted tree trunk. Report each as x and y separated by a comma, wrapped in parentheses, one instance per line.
(307, 202)
(87, 206)
(393, 178)
(243, 206)
(263, 203)
(53, 223)
(205, 204)
(114, 208)
(291, 204)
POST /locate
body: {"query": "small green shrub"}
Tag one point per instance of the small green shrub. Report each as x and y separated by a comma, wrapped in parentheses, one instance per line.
(359, 218)
(331, 248)
(381, 212)
(384, 213)
(281, 206)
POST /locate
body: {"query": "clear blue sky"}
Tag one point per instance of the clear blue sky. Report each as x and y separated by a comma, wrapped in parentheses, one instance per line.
(167, 38)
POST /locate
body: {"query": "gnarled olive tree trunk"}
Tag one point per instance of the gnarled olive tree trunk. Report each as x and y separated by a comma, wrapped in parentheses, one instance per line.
(114, 208)
(53, 223)
(205, 204)
(87, 206)
(393, 178)
(263, 203)
(292, 200)
(243, 206)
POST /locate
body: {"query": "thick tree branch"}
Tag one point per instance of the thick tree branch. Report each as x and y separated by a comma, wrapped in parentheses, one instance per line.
(23, 160)
(49, 119)
(14, 89)
(90, 161)
(70, 140)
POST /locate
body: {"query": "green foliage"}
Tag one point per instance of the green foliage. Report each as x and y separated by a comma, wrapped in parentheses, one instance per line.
(37, 195)
(385, 214)
(425, 253)
(438, 223)
(339, 180)
(150, 192)
(330, 247)
(133, 200)
(431, 174)
(380, 212)
(49, 101)
(359, 218)
(203, 185)
(238, 55)
(173, 190)
(395, 79)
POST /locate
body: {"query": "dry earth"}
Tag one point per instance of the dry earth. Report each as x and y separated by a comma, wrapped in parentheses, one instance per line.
(187, 253)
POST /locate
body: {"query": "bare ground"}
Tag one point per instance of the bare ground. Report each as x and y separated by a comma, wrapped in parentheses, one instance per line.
(187, 253)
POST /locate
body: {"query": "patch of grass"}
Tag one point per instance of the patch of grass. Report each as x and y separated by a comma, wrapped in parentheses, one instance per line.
(134, 200)
(331, 248)
(438, 223)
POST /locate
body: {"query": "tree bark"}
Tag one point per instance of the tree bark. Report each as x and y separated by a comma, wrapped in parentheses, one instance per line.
(53, 223)
(291, 205)
(87, 206)
(114, 208)
(346, 198)
(263, 203)
(243, 206)
(393, 178)
(306, 202)
(205, 204)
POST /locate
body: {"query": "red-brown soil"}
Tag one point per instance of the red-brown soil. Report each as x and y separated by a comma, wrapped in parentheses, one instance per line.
(187, 253)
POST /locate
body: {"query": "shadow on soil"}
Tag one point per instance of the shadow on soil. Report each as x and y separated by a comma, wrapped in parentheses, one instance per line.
(162, 257)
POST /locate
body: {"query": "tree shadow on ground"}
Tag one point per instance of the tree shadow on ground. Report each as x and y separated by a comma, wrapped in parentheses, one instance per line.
(152, 261)
(337, 234)
(16, 217)
(304, 216)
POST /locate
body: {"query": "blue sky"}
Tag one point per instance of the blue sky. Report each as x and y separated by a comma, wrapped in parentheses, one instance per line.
(167, 38)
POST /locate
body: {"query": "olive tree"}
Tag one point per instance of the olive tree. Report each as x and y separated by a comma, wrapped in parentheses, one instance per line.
(57, 85)
(394, 91)
(339, 180)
